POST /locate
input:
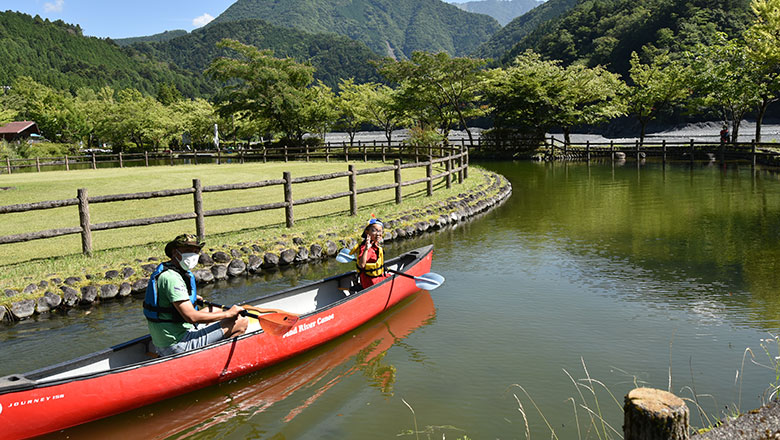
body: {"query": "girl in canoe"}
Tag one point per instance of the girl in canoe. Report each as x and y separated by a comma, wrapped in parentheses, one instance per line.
(370, 257)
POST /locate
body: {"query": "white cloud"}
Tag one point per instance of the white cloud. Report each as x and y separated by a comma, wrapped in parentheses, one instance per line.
(203, 20)
(54, 7)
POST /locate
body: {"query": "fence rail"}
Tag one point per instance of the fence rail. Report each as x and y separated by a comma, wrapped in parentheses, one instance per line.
(455, 163)
(330, 151)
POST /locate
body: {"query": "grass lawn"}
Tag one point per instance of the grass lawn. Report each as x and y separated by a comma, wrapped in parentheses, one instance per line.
(31, 261)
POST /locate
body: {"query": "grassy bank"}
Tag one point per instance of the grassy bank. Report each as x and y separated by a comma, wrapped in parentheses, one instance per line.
(30, 262)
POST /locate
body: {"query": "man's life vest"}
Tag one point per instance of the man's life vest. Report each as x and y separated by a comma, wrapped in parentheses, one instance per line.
(152, 308)
(376, 269)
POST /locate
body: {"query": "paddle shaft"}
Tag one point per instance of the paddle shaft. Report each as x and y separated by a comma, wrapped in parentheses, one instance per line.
(224, 307)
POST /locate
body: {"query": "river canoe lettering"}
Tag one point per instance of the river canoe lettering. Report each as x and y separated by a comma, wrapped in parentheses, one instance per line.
(18, 403)
(308, 326)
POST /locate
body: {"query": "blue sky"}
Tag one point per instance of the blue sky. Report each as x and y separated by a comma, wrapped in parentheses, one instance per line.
(120, 19)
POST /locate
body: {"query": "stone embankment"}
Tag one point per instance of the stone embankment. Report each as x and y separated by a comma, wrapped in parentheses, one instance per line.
(55, 294)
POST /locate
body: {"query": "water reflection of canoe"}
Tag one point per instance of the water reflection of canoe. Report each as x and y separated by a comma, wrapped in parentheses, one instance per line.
(125, 377)
(359, 351)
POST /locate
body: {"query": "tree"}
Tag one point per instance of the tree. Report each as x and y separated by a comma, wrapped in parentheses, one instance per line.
(762, 43)
(724, 79)
(382, 108)
(258, 86)
(197, 118)
(322, 108)
(350, 107)
(655, 87)
(439, 90)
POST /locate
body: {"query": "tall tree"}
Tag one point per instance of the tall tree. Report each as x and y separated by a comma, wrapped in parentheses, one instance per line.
(258, 86)
(438, 89)
(762, 44)
(350, 107)
(654, 87)
(383, 109)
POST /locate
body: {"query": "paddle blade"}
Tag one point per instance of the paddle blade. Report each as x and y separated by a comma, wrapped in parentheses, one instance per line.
(344, 256)
(429, 281)
(276, 324)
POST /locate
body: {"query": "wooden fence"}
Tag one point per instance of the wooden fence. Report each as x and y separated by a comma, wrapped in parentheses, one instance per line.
(692, 151)
(375, 150)
(455, 162)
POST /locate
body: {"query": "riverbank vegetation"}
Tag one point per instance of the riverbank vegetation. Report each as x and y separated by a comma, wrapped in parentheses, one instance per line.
(261, 97)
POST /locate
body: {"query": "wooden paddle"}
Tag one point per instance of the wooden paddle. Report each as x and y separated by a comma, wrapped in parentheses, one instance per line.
(428, 281)
(274, 321)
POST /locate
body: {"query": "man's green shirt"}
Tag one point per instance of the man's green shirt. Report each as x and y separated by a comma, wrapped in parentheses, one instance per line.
(171, 288)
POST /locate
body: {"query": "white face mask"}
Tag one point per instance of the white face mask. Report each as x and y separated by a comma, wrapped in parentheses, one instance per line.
(188, 260)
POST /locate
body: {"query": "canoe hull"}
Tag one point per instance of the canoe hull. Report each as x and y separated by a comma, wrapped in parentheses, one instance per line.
(37, 409)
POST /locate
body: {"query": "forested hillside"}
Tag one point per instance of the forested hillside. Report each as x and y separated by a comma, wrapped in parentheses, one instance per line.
(333, 56)
(605, 32)
(163, 36)
(505, 39)
(58, 55)
(503, 11)
(389, 27)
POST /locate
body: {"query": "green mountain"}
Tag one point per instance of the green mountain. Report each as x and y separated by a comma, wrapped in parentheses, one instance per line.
(58, 55)
(164, 36)
(607, 31)
(505, 39)
(333, 56)
(393, 28)
(503, 11)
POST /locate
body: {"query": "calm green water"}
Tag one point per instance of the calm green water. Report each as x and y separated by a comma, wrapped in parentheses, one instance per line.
(618, 274)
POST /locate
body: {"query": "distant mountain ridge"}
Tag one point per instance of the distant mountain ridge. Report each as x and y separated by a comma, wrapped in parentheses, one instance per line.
(388, 27)
(504, 40)
(58, 55)
(333, 56)
(503, 11)
(163, 36)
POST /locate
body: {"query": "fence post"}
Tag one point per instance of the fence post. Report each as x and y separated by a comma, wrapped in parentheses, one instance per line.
(194, 155)
(416, 154)
(384, 150)
(691, 152)
(265, 154)
(587, 151)
(460, 168)
(288, 200)
(374, 149)
(365, 154)
(219, 157)
(170, 155)
(200, 224)
(352, 191)
(94, 164)
(86, 231)
(241, 156)
(663, 148)
(307, 152)
(8, 164)
(146, 158)
(752, 154)
(121, 162)
(428, 174)
(465, 152)
(448, 166)
(285, 153)
(398, 197)
(67, 163)
(346, 151)
(38, 164)
(651, 414)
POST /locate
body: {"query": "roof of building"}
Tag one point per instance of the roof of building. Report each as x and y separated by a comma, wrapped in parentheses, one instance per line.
(16, 127)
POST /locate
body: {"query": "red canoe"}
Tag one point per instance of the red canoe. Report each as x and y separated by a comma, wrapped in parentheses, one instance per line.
(126, 376)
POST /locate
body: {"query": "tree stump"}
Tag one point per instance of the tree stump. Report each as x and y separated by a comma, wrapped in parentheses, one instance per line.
(652, 414)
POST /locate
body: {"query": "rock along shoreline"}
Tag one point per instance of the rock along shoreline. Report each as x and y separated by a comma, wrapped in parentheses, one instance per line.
(57, 295)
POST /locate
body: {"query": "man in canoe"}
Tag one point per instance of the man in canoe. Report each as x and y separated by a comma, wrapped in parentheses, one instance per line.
(370, 256)
(170, 300)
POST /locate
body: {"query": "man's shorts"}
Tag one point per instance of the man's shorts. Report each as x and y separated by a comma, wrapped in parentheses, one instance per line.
(193, 339)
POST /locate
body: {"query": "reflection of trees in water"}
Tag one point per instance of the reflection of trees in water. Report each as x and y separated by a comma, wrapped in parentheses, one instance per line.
(710, 233)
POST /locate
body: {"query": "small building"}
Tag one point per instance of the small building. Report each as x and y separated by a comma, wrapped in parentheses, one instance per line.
(18, 130)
